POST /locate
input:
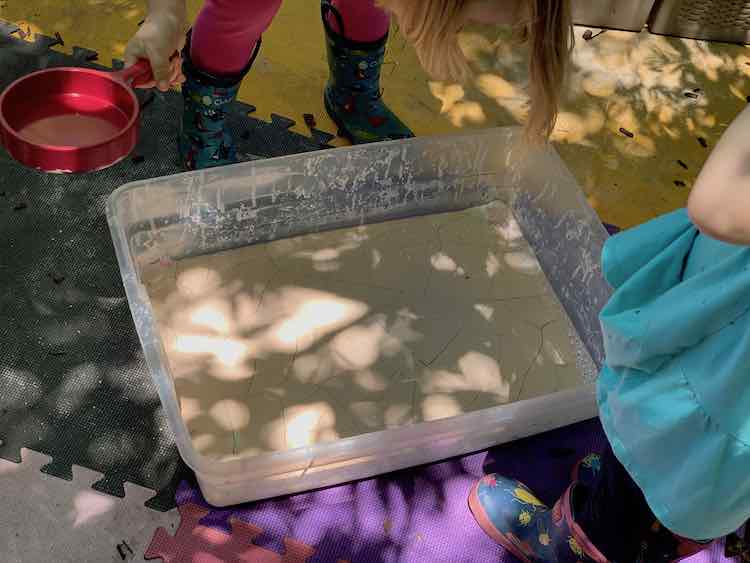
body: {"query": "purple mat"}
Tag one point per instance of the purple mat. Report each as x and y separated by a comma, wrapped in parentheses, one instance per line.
(417, 515)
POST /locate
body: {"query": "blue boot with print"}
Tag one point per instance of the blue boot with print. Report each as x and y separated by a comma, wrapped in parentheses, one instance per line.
(511, 515)
(205, 140)
(353, 97)
(659, 545)
(587, 470)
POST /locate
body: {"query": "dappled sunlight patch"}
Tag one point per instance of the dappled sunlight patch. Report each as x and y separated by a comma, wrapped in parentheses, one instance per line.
(398, 414)
(495, 86)
(623, 115)
(491, 265)
(742, 64)
(600, 84)
(197, 282)
(305, 424)
(653, 86)
(574, 128)
(214, 315)
(28, 31)
(448, 94)
(23, 390)
(88, 506)
(704, 60)
(305, 368)
(506, 227)
(737, 92)
(226, 351)
(610, 161)
(704, 118)
(77, 383)
(444, 263)
(133, 14)
(358, 347)
(506, 95)
(330, 258)
(190, 407)
(476, 46)
(439, 406)
(301, 316)
(203, 442)
(118, 49)
(370, 381)
(518, 108)
(523, 262)
(465, 112)
(666, 114)
(230, 414)
(641, 146)
(485, 310)
(112, 447)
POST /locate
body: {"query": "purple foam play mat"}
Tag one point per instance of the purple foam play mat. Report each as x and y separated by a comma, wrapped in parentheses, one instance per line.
(417, 515)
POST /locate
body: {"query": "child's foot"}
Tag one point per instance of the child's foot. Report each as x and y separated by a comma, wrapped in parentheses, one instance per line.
(661, 545)
(205, 140)
(510, 514)
(353, 97)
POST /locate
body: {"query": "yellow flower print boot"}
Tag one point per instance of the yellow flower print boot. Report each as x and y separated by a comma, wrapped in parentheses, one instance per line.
(511, 515)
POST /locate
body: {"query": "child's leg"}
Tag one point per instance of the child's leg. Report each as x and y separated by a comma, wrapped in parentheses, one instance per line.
(226, 31)
(363, 20)
(219, 53)
(615, 516)
(610, 499)
(356, 33)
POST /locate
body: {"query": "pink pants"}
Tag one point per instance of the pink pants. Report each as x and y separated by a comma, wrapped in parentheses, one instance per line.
(225, 31)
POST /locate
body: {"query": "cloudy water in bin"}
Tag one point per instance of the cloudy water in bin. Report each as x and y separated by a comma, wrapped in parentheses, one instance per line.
(327, 336)
(339, 334)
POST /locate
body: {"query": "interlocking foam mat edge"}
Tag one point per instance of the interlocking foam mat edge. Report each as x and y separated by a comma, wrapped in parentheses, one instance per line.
(73, 383)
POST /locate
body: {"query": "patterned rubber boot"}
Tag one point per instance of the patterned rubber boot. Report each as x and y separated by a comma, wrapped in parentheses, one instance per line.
(661, 545)
(205, 140)
(511, 515)
(353, 97)
(587, 470)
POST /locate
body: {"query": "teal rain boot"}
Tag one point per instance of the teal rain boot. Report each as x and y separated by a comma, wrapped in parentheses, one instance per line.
(353, 97)
(205, 140)
(511, 515)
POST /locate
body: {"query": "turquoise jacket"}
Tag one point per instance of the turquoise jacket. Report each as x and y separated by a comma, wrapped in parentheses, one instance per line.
(674, 395)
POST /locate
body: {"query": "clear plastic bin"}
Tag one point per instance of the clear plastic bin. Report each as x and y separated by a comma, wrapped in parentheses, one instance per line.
(206, 211)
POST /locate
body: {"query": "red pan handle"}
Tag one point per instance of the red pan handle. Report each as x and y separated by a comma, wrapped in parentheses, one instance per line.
(138, 73)
(133, 75)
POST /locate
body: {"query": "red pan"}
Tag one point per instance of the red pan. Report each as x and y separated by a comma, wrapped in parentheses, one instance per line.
(72, 119)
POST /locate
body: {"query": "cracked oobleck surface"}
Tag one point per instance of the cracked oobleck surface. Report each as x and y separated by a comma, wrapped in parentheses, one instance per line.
(331, 335)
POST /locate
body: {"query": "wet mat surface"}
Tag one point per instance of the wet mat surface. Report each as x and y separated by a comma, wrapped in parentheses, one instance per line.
(73, 384)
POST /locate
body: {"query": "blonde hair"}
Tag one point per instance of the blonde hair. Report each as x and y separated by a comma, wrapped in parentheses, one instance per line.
(433, 25)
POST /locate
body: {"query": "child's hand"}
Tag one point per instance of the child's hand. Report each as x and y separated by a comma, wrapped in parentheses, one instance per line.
(160, 35)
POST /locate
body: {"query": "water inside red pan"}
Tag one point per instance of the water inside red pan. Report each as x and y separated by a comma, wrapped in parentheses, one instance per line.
(72, 120)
